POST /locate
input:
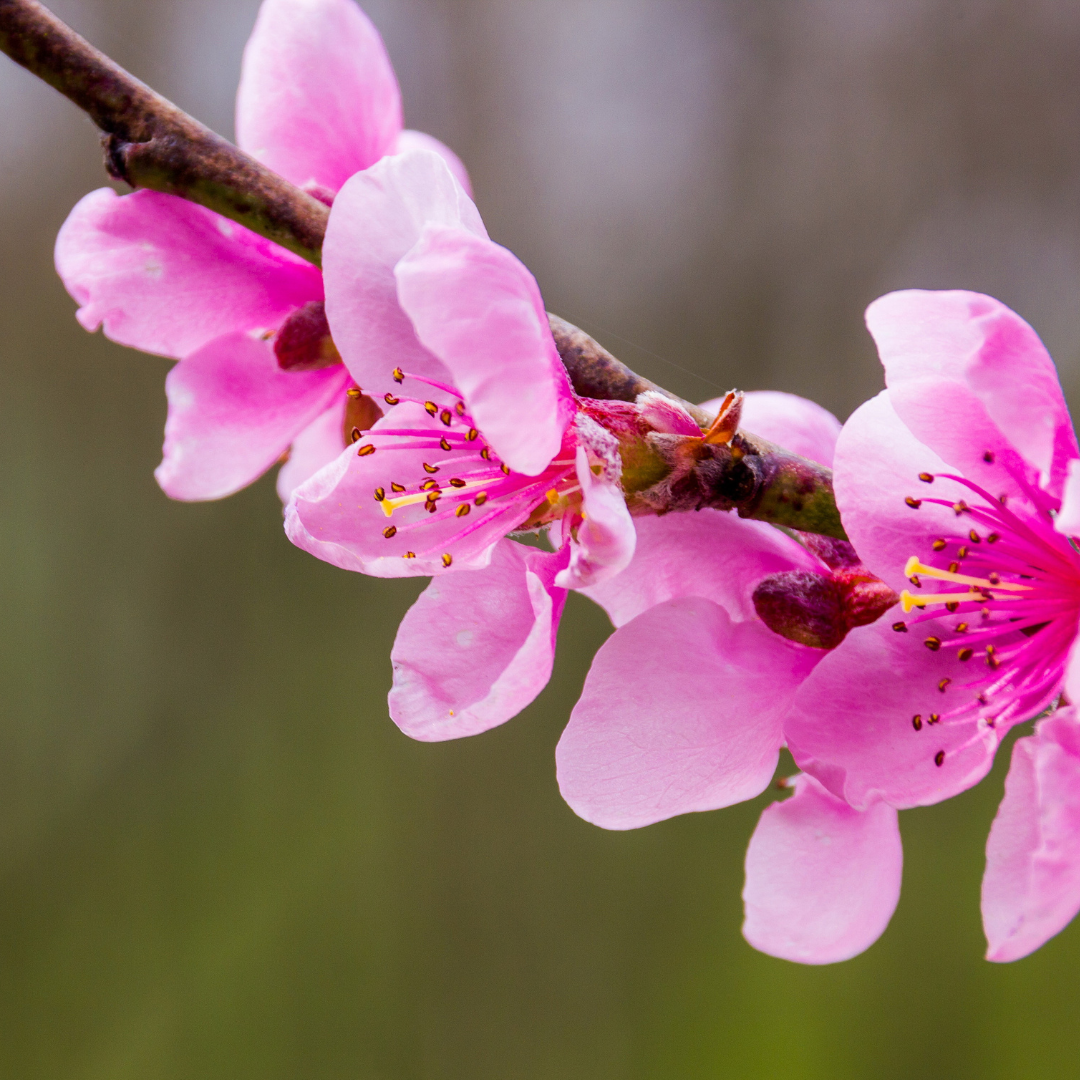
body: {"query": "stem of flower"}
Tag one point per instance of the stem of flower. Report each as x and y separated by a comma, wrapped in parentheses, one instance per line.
(150, 143)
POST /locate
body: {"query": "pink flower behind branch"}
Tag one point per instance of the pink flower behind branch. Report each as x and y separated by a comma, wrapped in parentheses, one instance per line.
(318, 101)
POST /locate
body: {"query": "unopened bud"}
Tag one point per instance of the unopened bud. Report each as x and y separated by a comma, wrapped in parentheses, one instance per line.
(303, 343)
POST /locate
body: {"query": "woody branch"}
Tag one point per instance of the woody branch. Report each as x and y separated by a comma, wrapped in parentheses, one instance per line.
(150, 143)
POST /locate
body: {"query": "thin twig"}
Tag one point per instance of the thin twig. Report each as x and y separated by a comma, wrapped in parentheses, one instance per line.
(150, 143)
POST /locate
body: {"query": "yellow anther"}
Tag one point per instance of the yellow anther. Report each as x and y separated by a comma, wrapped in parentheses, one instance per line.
(553, 496)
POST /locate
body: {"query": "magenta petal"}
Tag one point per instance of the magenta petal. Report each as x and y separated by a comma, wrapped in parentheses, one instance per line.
(681, 711)
(851, 724)
(1031, 889)
(822, 879)
(978, 342)
(605, 540)
(377, 217)
(795, 423)
(316, 446)
(479, 310)
(167, 276)
(877, 467)
(719, 556)
(318, 99)
(232, 413)
(419, 140)
(476, 648)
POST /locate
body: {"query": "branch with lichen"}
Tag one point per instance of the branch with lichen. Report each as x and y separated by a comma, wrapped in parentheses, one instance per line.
(150, 143)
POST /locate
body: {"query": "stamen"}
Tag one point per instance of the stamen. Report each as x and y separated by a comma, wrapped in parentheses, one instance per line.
(444, 443)
(398, 375)
(430, 468)
(944, 683)
(354, 392)
(916, 722)
(447, 559)
(939, 758)
(900, 627)
(365, 451)
(431, 408)
(390, 399)
(462, 510)
(380, 494)
(390, 531)
(446, 417)
(396, 487)
(913, 502)
(926, 478)
(939, 545)
(354, 435)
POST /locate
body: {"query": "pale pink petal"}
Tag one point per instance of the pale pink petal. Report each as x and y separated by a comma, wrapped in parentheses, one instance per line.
(822, 879)
(719, 556)
(682, 710)
(419, 140)
(878, 462)
(1068, 519)
(317, 445)
(318, 99)
(662, 414)
(604, 544)
(166, 276)
(1031, 890)
(479, 310)
(377, 217)
(477, 647)
(233, 412)
(998, 359)
(852, 722)
(792, 422)
(336, 516)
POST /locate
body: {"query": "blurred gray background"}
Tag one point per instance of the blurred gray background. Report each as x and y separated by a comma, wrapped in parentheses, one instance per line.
(218, 857)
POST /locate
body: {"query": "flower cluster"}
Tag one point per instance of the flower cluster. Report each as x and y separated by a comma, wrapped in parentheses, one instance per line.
(426, 421)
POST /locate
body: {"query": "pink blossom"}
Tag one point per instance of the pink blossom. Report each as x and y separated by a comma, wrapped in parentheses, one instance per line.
(683, 708)
(956, 485)
(318, 101)
(483, 436)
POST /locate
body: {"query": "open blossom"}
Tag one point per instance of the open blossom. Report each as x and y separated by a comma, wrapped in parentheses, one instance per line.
(318, 101)
(683, 708)
(960, 487)
(483, 436)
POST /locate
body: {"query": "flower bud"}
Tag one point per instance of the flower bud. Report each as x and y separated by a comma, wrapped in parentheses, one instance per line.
(303, 342)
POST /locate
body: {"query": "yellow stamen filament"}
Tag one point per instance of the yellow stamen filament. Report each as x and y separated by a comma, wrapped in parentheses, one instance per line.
(390, 505)
(985, 588)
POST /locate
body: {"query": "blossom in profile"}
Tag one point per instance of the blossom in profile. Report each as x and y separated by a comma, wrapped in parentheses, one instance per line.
(959, 486)
(482, 436)
(258, 372)
(684, 707)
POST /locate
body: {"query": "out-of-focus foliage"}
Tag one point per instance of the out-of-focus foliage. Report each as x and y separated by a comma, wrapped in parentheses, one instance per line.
(218, 858)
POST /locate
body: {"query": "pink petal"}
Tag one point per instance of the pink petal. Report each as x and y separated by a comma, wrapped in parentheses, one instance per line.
(681, 711)
(877, 467)
(316, 446)
(851, 724)
(377, 217)
(605, 540)
(479, 310)
(1031, 890)
(996, 359)
(318, 99)
(476, 648)
(335, 515)
(419, 140)
(167, 276)
(233, 412)
(795, 423)
(719, 556)
(822, 879)
(1068, 519)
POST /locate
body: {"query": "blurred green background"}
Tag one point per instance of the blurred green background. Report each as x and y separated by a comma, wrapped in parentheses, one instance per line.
(218, 857)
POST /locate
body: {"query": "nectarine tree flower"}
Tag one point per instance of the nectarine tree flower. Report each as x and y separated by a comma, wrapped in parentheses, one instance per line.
(258, 372)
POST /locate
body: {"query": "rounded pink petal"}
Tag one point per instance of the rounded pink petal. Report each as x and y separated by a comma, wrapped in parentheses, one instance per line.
(476, 648)
(318, 99)
(822, 879)
(377, 217)
(681, 711)
(976, 341)
(1068, 519)
(336, 515)
(719, 556)
(316, 446)
(605, 539)
(1031, 889)
(796, 423)
(479, 310)
(852, 722)
(419, 140)
(166, 276)
(877, 467)
(232, 413)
